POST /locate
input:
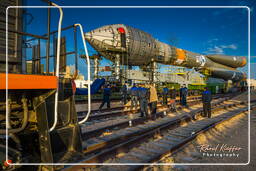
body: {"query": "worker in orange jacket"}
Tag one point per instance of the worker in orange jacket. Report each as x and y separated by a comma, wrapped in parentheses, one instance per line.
(153, 101)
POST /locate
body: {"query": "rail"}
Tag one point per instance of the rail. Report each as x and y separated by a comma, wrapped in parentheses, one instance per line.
(96, 152)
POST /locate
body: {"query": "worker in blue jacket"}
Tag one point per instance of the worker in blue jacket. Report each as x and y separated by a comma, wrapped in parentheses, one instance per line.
(183, 95)
(143, 95)
(134, 96)
(106, 97)
(165, 95)
(206, 99)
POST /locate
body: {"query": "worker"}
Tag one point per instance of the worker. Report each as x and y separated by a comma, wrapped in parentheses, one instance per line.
(183, 95)
(134, 96)
(181, 89)
(106, 97)
(165, 95)
(153, 101)
(173, 99)
(143, 95)
(124, 91)
(206, 99)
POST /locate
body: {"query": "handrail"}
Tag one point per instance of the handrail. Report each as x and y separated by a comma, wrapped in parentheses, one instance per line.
(51, 33)
(26, 34)
(88, 75)
(57, 68)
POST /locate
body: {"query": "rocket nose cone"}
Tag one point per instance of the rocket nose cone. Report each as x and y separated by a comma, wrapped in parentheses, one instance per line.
(101, 38)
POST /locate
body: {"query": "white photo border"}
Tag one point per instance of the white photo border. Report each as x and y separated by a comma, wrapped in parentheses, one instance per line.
(249, 73)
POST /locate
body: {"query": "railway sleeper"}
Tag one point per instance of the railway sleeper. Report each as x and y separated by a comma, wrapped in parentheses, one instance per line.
(162, 147)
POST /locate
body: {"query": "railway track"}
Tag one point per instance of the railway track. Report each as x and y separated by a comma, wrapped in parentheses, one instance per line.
(121, 120)
(96, 114)
(100, 149)
(170, 142)
(116, 99)
(124, 110)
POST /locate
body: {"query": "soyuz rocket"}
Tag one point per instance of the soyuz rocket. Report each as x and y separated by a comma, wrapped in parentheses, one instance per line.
(139, 48)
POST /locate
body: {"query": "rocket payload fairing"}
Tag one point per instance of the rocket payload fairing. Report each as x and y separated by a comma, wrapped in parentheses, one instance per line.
(139, 48)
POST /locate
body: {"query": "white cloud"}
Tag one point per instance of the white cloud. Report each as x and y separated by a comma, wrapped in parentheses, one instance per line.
(220, 49)
(215, 49)
(213, 40)
(232, 46)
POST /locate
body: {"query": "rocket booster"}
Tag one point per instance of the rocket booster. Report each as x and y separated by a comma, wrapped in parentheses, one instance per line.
(138, 48)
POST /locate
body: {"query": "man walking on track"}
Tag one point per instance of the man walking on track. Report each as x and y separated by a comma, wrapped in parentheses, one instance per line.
(165, 95)
(183, 95)
(134, 96)
(124, 91)
(206, 99)
(173, 99)
(106, 97)
(153, 101)
(143, 94)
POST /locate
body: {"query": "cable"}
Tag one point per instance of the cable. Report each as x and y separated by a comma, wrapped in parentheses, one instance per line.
(57, 68)
(88, 74)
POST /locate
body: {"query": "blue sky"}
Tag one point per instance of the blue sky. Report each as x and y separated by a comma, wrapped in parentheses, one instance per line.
(211, 30)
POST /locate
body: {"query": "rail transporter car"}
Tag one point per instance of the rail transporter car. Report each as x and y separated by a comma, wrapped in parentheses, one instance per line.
(37, 106)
